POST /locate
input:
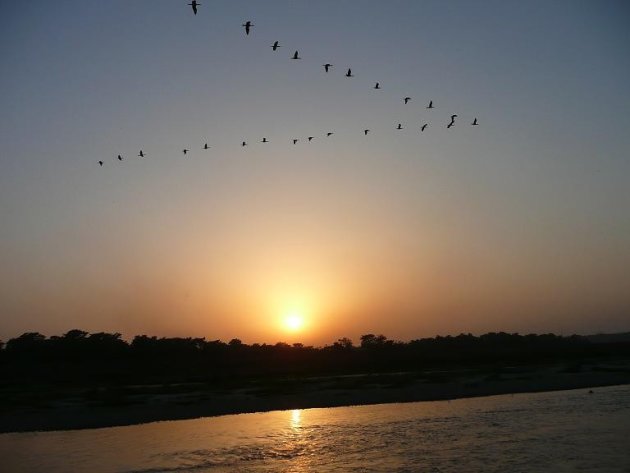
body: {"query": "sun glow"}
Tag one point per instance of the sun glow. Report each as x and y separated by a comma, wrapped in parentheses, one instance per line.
(294, 322)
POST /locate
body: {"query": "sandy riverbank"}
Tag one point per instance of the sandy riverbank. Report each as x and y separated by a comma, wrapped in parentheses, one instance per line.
(198, 401)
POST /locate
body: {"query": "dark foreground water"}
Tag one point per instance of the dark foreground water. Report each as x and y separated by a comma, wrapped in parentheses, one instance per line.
(546, 432)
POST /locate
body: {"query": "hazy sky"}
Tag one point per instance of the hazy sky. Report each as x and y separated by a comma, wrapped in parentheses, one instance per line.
(519, 224)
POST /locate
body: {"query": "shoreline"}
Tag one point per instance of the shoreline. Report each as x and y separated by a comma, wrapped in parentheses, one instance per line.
(300, 394)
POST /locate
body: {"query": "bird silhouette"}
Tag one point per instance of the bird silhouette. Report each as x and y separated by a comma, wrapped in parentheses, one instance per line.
(474, 123)
(248, 26)
(100, 163)
(244, 143)
(141, 154)
(295, 140)
(330, 133)
(206, 146)
(399, 127)
(349, 73)
(423, 127)
(378, 85)
(310, 138)
(264, 140)
(296, 55)
(185, 151)
(407, 99)
(452, 121)
(120, 158)
(366, 131)
(327, 67)
(430, 104)
(194, 6)
(275, 46)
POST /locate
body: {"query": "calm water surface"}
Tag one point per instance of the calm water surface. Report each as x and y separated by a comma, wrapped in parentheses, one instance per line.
(546, 432)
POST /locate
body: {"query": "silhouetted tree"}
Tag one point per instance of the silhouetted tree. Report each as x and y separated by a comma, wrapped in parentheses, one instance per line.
(75, 334)
(27, 343)
(343, 344)
(371, 341)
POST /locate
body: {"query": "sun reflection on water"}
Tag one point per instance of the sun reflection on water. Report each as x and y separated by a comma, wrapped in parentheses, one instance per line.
(296, 419)
(299, 445)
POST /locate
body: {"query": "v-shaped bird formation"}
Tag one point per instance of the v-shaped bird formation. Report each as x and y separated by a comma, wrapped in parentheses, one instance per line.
(328, 67)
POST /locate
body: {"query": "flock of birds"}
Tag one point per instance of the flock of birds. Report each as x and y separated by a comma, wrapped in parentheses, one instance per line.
(248, 25)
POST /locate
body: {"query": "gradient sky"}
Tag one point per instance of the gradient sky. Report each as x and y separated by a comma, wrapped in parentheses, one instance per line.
(520, 224)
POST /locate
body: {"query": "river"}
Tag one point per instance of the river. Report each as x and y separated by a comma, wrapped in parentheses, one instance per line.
(563, 431)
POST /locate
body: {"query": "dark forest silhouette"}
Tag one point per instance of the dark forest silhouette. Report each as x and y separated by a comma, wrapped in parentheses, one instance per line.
(82, 357)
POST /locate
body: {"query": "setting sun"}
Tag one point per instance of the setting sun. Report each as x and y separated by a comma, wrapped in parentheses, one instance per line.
(294, 322)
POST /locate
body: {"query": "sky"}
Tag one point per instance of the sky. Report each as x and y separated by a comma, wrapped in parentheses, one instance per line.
(520, 224)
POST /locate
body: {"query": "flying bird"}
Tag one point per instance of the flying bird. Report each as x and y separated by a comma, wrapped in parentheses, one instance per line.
(349, 73)
(248, 26)
(120, 158)
(327, 67)
(474, 123)
(185, 151)
(365, 132)
(100, 163)
(141, 154)
(310, 138)
(430, 104)
(264, 140)
(194, 6)
(275, 46)
(423, 127)
(407, 99)
(296, 56)
(295, 140)
(206, 146)
(329, 133)
(244, 143)
(378, 85)
(399, 127)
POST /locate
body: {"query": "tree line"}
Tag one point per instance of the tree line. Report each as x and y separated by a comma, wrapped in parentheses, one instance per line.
(80, 356)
